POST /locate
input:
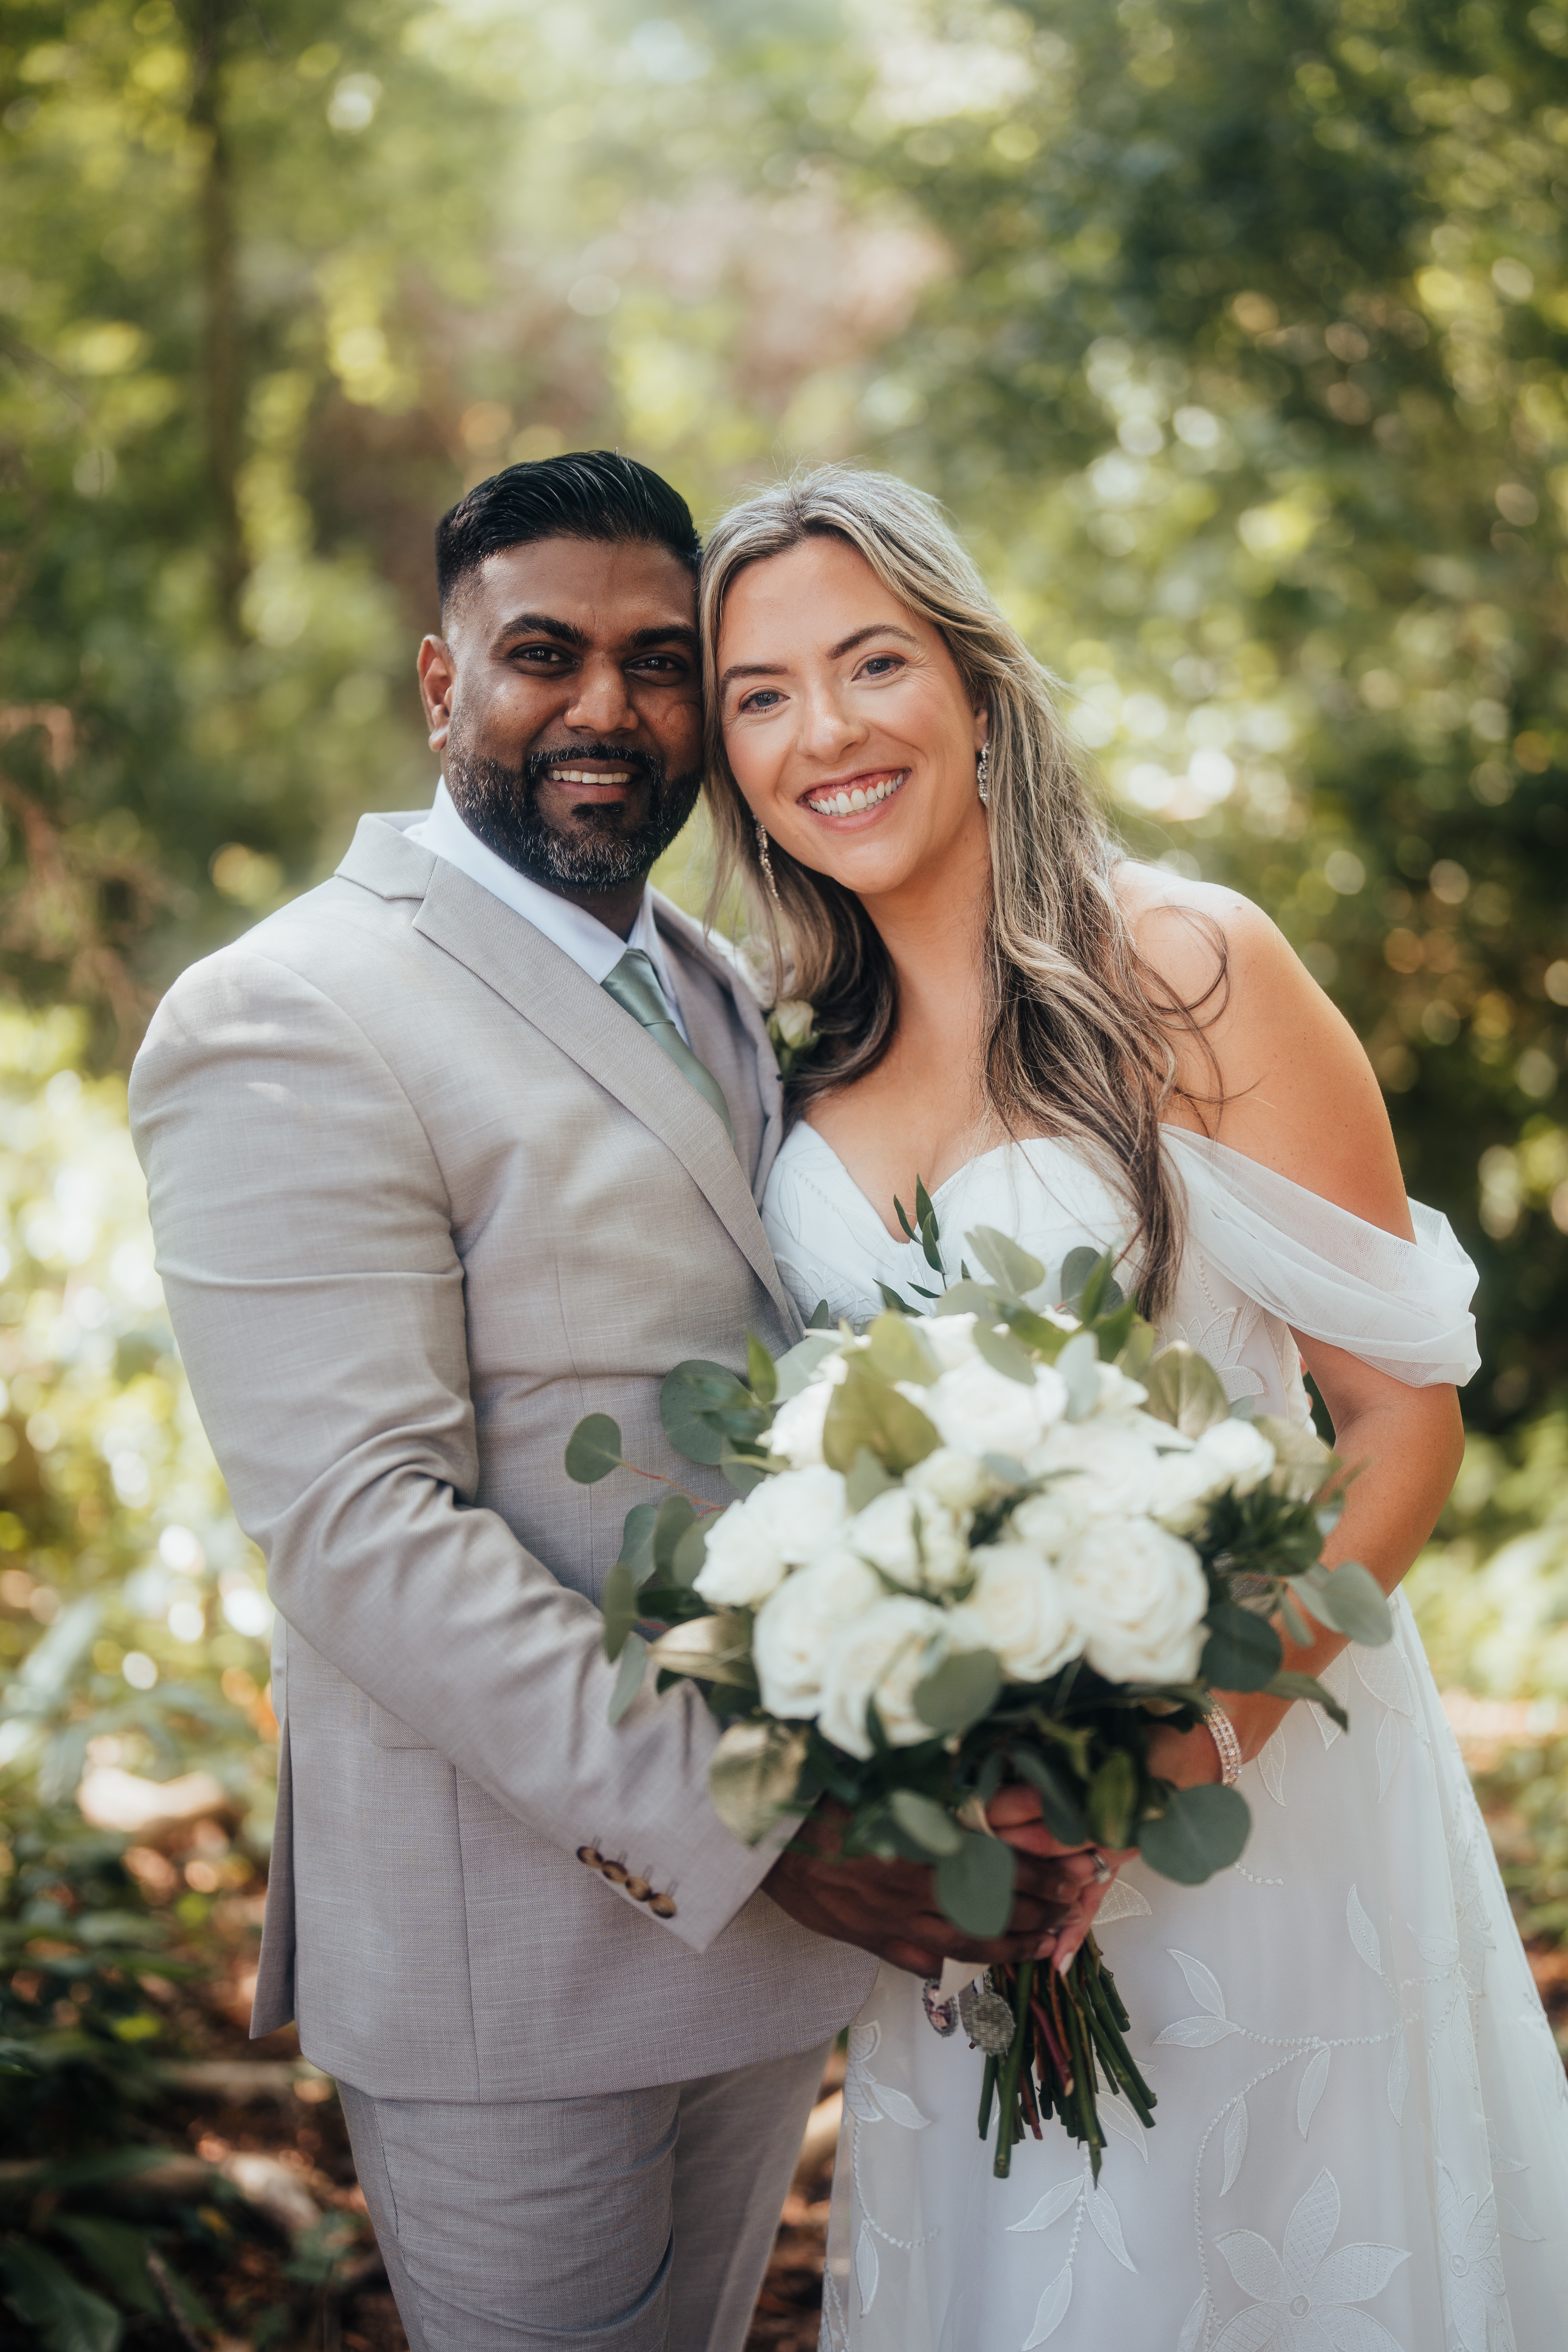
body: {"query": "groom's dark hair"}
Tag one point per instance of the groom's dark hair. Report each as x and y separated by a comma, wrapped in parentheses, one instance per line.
(594, 494)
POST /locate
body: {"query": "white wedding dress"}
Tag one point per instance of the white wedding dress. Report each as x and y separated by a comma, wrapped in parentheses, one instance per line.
(1362, 2136)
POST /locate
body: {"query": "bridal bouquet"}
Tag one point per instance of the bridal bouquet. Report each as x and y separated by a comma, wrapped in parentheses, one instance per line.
(986, 1544)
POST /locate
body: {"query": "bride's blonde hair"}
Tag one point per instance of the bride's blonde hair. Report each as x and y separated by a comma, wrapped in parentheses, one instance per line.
(1079, 1027)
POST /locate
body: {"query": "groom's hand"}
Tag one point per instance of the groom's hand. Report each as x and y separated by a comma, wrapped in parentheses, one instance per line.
(890, 1907)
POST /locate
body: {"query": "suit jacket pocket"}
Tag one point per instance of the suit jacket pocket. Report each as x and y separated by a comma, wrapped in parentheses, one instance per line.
(388, 1730)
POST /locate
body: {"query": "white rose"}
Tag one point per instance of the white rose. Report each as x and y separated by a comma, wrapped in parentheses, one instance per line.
(800, 1626)
(780, 1523)
(1116, 1392)
(976, 1410)
(881, 1657)
(1242, 1457)
(957, 1481)
(1025, 1609)
(951, 1338)
(1112, 1461)
(794, 1018)
(796, 1432)
(1183, 1485)
(910, 1538)
(1049, 1522)
(1140, 1595)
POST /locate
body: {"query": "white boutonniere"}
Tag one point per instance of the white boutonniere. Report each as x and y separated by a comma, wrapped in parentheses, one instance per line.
(792, 1027)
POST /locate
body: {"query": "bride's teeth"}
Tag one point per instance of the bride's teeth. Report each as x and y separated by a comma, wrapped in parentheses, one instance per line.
(842, 804)
(856, 798)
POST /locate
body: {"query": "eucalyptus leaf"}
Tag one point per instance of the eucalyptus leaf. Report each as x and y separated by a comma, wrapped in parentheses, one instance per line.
(688, 1399)
(974, 1885)
(1078, 1367)
(592, 1450)
(1101, 1294)
(865, 1480)
(1185, 1391)
(637, 1540)
(762, 1378)
(821, 1317)
(928, 1825)
(891, 1300)
(897, 1351)
(743, 1471)
(1007, 1468)
(686, 1562)
(753, 1774)
(618, 1607)
(1243, 1651)
(715, 1649)
(959, 1690)
(1138, 1348)
(1060, 1799)
(969, 1299)
(1010, 1268)
(1112, 1795)
(1198, 1832)
(629, 1677)
(1349, 1600)
(1076, 1267)
(795, 1368)
(1307, 1686)
(865, 1412)
(1004, 1354)
(670, 1521)
(1302, 1460)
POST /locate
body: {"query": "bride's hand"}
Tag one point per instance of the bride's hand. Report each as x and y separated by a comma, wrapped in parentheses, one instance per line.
(1089, 1870)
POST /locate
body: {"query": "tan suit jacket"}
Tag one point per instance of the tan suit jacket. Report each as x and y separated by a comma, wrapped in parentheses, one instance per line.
(423, 1196)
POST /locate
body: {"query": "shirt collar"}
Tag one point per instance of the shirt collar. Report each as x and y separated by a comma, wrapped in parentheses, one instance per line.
(591, 945)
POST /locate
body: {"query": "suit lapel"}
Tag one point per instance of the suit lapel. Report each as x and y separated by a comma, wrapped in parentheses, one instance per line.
(544, 985)
(716, 956)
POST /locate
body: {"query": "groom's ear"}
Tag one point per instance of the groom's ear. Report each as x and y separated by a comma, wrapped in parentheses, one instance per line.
(437, 675)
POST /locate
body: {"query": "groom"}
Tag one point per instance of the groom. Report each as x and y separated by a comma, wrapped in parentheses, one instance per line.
(456, 1148)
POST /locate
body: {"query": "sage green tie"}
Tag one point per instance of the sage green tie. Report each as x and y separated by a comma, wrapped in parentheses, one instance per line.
(634, 984)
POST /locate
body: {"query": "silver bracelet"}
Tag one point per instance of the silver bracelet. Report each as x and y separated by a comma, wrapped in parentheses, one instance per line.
(1222, 1731)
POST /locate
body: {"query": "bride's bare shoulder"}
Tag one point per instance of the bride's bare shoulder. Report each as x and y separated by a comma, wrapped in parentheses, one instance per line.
(1196, 935)
(1295, 1089)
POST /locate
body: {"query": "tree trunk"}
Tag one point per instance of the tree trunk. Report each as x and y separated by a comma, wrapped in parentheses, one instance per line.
(220, 306)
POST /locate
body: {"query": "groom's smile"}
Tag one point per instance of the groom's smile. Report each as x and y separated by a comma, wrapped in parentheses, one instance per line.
(565, 697)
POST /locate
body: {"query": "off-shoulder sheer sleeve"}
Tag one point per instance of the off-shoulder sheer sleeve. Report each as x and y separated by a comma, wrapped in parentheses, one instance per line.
(1401, 1306)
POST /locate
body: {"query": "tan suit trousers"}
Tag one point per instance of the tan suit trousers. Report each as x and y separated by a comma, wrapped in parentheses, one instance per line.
(631, 2221)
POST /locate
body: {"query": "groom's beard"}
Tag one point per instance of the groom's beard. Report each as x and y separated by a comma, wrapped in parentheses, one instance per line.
(607, 846)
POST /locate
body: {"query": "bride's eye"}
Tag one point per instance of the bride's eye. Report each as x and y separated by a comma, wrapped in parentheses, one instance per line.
(763, 698)
(882, 664)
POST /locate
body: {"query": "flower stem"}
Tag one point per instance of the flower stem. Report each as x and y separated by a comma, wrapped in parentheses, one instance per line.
(1007, 2130)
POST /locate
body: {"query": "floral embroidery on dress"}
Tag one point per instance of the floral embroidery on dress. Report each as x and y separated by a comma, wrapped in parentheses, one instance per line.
(1304, 2298)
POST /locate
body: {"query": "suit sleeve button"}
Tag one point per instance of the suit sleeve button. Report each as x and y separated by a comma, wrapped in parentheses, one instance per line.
(638, 1889)
(615, 1873)
(591, 1857)
(662, 1906)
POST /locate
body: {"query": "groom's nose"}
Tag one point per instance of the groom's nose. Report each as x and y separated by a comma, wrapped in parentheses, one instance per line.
(600, 701)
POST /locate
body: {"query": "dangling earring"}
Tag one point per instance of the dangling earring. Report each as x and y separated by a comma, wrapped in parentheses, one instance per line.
(766, 862)
(983, 773)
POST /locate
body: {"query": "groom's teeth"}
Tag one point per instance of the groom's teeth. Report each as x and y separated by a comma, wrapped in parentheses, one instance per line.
(590, 776)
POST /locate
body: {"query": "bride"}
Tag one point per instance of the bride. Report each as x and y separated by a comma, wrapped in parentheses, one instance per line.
(1361, 2139)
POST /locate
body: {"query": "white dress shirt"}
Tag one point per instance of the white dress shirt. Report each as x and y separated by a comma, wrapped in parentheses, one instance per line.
(591, 944)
